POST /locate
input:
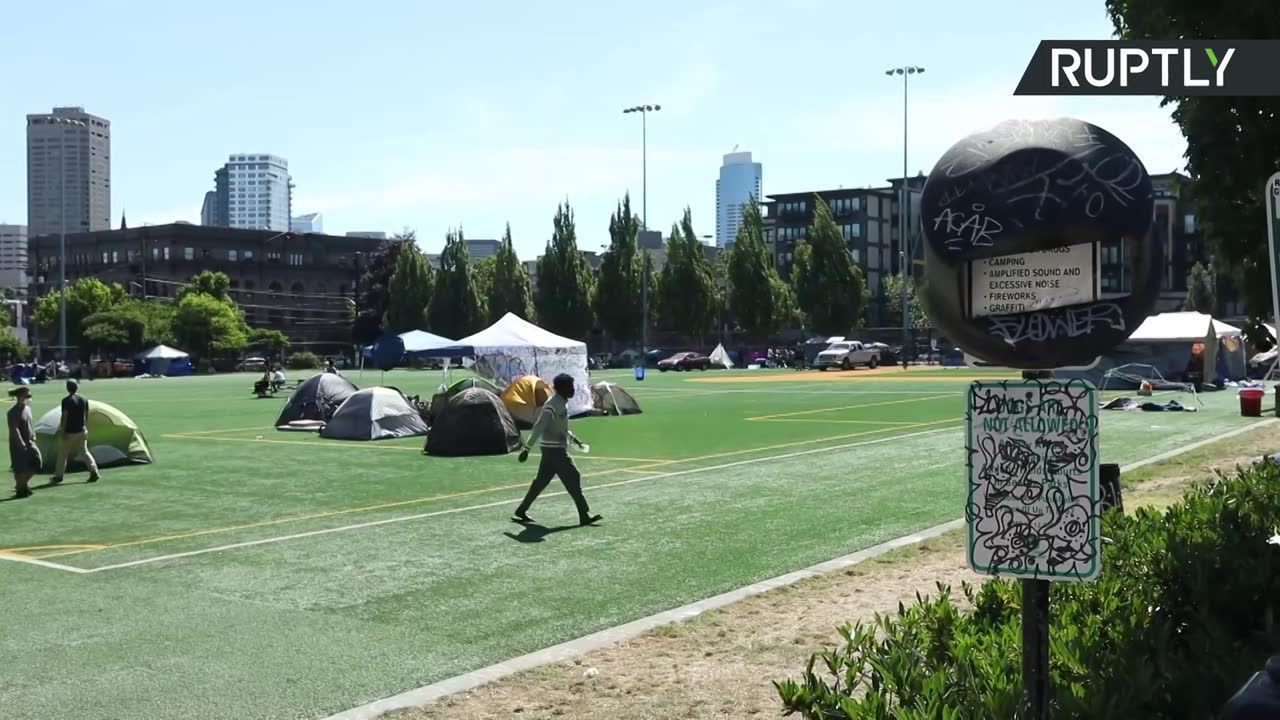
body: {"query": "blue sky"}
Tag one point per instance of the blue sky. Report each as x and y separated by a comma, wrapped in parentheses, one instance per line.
(432, 114)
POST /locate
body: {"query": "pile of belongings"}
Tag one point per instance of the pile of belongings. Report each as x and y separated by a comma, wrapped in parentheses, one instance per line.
(1126, 403)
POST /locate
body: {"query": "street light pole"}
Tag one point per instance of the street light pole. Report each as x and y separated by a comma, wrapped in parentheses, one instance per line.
(904, 211)
(644, 111)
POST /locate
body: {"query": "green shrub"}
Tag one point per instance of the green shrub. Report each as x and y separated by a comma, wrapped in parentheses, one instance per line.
(303, 361)
(1183, 613)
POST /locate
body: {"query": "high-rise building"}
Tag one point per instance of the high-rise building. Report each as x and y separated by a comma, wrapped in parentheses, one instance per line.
(481, 249)
(309, 223)
(739, 183)
(68, 172)
(13, 257)
(209, 209)
(252, 192)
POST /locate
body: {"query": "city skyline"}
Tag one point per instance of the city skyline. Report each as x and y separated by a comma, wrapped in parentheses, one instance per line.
(516, 130)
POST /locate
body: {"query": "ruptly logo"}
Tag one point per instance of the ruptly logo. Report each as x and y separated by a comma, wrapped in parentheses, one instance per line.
(1115, 67)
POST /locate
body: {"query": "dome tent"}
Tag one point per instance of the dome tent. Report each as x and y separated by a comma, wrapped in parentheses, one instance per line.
(376, 413)
(524, 399)
(441, 399)
(317, 398)
(474, 422)
(114, 439)
(612, 399)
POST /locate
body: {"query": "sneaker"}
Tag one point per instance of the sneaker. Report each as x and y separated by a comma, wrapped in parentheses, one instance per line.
(24, 493)
(590, 520)
(55, 480)
(93, 478)
(522, 518)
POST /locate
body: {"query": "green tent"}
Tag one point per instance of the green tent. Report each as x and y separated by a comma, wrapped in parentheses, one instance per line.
(473, 382)
(114, 439)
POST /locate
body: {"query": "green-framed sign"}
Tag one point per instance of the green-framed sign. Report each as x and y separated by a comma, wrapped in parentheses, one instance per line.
(1033, 496)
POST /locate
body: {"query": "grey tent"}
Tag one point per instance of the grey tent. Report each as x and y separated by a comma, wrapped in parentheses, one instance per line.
(441, 399)
(473, 422)
(376, 413)
(612, 399)
(318, 398)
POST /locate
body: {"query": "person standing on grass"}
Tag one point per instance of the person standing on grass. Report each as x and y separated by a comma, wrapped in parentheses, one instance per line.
(74, 429)
(24, 457)
(551, 431)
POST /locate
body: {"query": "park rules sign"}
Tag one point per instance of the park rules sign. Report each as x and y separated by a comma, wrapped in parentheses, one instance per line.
(1033, 496)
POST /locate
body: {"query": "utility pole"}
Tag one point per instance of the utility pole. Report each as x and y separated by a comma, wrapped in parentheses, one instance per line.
(644, 111)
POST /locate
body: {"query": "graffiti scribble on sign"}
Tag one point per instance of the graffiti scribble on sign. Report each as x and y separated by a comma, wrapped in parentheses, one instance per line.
(1032, 479)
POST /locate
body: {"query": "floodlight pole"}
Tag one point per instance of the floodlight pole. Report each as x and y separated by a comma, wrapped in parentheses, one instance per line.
(644, 111)
(904, 210)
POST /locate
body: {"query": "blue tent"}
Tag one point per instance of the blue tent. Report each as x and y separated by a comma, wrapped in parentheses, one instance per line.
(422, 344)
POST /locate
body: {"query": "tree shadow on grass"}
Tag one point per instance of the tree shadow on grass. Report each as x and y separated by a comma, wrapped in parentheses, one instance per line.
(535, 533)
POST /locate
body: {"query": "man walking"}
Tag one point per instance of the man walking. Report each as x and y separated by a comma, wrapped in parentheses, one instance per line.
(24, 458)
(74, 429)
(551, 431)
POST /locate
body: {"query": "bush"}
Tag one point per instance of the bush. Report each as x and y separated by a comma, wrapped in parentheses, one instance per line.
(303, 361)
(1183, 613)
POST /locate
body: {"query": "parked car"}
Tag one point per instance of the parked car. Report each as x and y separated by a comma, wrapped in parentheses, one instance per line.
(846, 355)
(252, 364)
(685, 361)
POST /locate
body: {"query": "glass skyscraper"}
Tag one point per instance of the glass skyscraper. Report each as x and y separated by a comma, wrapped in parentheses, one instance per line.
(739, 182)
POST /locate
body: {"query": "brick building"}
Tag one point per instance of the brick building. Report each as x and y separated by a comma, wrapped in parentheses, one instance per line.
(299, 283)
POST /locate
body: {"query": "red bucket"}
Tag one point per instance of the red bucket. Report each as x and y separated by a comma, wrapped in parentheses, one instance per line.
(1251, 402)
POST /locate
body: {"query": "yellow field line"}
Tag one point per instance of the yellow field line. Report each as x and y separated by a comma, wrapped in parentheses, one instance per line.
(215, 432)
(850, 407)
(24, 550)
(639, 469)
(372, 446)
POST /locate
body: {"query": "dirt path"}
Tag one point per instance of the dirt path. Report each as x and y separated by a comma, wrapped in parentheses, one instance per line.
(721, 664)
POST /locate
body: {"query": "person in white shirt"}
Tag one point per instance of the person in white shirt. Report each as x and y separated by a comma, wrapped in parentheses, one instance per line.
(551, 432)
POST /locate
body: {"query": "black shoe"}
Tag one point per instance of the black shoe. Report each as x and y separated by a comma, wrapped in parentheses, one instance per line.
(56, 480)
(22, 493)
(590, 520)
(93, 478)
(520, 517)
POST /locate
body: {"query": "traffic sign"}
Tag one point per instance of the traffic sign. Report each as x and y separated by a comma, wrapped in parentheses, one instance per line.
(1033, 493)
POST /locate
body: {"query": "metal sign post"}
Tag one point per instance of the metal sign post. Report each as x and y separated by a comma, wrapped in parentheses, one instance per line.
(1016, 220)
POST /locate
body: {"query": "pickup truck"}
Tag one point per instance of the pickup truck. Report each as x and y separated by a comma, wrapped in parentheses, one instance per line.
(847, 355)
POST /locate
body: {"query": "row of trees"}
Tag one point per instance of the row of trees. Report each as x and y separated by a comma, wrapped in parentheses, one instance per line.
(204, 319)
(400, 290)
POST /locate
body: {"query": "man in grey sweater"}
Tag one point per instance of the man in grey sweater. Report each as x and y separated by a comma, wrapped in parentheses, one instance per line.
(551, 431)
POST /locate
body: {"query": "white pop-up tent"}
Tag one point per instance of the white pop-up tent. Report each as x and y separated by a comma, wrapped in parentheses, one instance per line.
(1172, 339)
(162, 359)
(720, 358)
(513, 347)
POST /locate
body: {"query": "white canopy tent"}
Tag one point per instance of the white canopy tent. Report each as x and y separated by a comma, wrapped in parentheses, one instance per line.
(1179, 329)
(158, 359)
(513, 347)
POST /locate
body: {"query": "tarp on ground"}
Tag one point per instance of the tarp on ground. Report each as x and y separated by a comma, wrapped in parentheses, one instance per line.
(376, 413)
(114, 439)
(524, 399)
(473, 422)
(317, 398)
(720, 358)
(613, 399)
(513, 347)
(162, 360)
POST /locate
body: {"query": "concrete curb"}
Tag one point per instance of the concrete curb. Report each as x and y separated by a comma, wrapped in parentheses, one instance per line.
(558, 653)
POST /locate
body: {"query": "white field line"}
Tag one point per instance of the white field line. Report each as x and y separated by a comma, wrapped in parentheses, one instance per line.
(498, 503)
(43, 563)
(611, 636)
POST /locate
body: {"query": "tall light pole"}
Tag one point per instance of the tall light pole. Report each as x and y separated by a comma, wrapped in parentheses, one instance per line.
(644, 111)
(62, 233)
(904, 210)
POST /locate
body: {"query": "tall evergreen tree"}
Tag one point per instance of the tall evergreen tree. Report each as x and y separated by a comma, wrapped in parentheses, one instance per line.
(689, 298)
(760, 301)
(510, 292)
(373, 286)
(456, 308)
(564, 281)
(829, 287)
(408, 291)
(619, 288)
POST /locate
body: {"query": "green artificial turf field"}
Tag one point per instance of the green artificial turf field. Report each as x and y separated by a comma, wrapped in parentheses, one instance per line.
(251, 573)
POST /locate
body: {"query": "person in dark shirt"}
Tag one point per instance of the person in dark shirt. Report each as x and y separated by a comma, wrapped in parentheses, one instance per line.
(74, 430)
(24, 458)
